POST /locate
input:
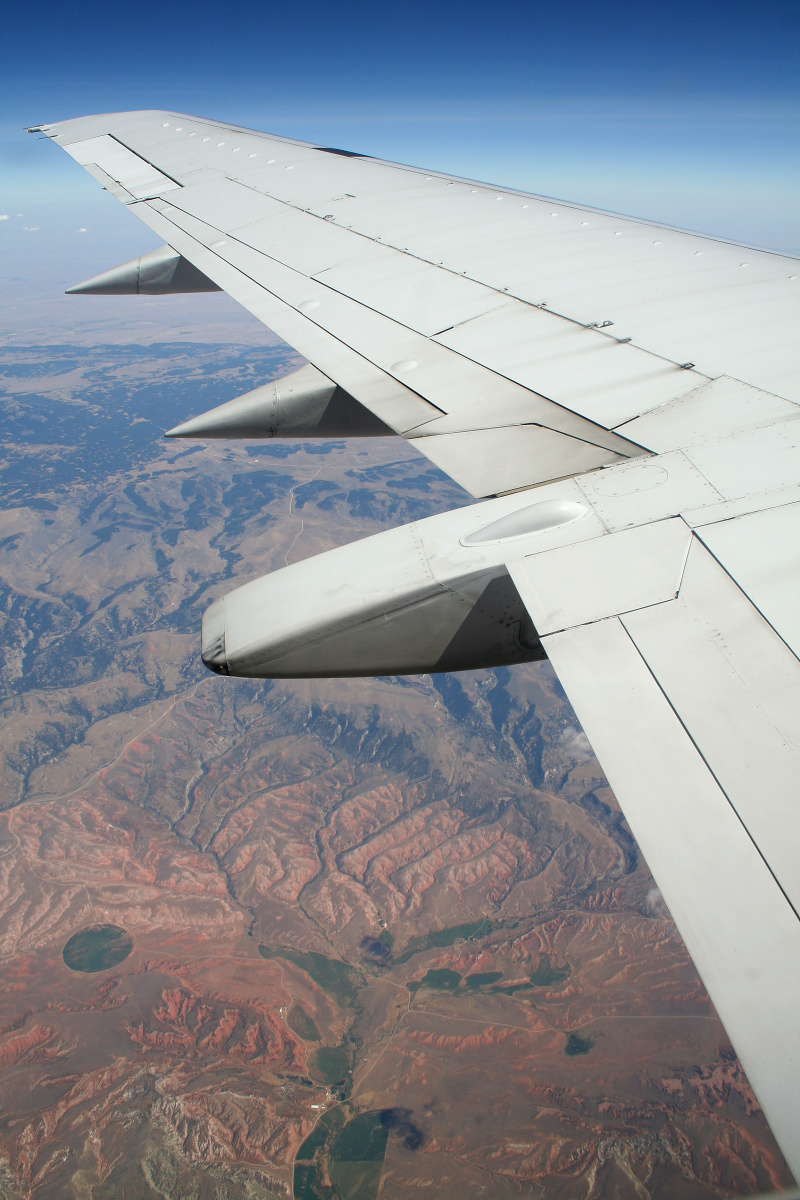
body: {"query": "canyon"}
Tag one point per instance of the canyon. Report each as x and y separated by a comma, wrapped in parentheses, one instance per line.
(410, 902)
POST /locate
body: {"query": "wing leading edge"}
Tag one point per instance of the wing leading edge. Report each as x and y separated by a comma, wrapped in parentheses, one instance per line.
(517, 340)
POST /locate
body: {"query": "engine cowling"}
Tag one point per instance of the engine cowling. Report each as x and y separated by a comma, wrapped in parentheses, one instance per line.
(380, 606)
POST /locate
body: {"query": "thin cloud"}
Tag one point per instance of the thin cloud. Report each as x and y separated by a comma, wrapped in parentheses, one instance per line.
(575, 743)
(31, 228)
(4, 216)
(655, 904)
(82, 229)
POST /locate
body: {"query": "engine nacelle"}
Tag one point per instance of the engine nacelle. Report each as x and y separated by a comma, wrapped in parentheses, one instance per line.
(303, 404)
(391, 604)
(162, 272)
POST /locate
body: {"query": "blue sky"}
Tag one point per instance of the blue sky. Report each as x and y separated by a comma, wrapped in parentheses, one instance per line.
(685, 113)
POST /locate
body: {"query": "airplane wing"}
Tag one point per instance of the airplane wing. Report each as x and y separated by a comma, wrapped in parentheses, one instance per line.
(629, 396)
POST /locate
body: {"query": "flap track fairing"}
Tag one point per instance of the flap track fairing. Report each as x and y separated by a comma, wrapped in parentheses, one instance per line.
(303, 404)
(162, 272)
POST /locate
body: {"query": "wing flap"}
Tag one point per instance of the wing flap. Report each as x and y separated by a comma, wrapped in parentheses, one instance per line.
(762, 553)
(487, 462)
(310, 245)
(586, 370)
(735, 919)
(110, 185)
(416, 294)
(578, 584)
(735, 687)
(648, 489)
(691, 701)
(722, 406)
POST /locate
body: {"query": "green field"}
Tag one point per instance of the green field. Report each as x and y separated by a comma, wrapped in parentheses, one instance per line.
(446, 937)
(328, 1123)
(302, 1023)
(353, 1154)
(97, 948)
(577, 1045)
(330, 1063)
(362, 1140)
(442, 980)
(356, 1157)
(314, 1142)
(333, 976)
(357, 1180)
(482, 979)
(308, 1183)
(546, 974)
(511, 989)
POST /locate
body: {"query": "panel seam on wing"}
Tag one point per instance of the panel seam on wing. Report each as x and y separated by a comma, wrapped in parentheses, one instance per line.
(457, 354)
(499, 292)
(705, 762)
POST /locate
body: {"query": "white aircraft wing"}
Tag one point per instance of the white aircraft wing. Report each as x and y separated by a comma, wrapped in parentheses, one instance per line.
(676, 642)
(629, 393)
